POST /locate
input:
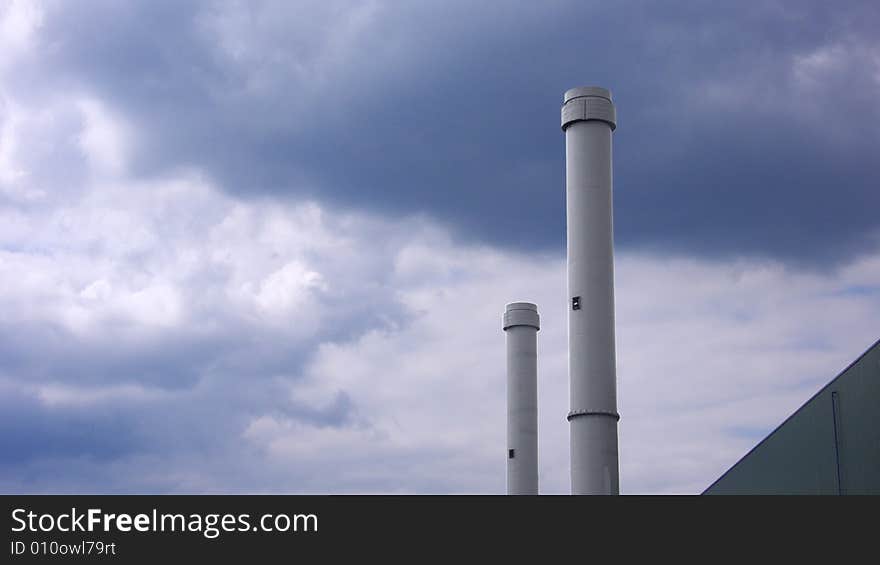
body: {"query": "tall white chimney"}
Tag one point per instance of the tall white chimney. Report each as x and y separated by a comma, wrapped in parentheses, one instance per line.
(521, 324)
(588, 118)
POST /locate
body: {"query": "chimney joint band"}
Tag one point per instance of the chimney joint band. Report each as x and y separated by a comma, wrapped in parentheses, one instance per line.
(579, 413)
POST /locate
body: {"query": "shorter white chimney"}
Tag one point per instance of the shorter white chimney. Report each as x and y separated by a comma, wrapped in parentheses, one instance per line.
(521, 324)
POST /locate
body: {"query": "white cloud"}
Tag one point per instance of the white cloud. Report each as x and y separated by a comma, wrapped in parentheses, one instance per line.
(711, 358)
(105, 139)
(285, 289)
(19, 20)
(828, 64)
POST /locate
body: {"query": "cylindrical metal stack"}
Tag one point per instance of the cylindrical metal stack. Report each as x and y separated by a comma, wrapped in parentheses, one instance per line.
(588, 118)
(521, 324)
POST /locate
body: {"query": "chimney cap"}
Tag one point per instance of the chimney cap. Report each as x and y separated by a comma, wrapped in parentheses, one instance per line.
(521, 314)
(581, 91)
(522, 306)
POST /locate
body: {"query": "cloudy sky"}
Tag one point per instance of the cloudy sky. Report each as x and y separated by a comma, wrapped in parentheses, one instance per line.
(264, 246)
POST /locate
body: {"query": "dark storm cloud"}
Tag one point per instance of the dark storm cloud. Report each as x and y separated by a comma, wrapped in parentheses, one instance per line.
(80, 446)
(453, 110)
(89, 407)
(29, 430)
